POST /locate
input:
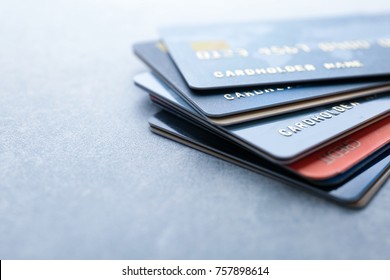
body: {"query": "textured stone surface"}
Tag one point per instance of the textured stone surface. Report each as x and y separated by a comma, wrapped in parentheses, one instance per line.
(82, 177)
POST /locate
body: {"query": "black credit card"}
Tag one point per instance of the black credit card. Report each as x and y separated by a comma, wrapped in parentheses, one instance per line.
(356, 192)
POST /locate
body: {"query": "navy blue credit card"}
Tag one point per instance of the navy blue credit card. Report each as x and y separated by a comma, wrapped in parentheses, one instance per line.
(288, 137)
(227, 106)
(356, 192)
(295, 51)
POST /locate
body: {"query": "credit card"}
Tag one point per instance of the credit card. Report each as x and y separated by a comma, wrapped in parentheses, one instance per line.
(227, 106)
(350, 168)
(288, 137)
(342, 155)
(294, 51)
(356, 192)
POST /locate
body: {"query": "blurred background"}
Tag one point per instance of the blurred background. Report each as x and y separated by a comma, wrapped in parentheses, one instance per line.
(82, 177)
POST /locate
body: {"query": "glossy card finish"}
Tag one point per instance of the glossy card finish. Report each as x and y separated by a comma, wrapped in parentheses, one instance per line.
(295, 51)
(227, 106)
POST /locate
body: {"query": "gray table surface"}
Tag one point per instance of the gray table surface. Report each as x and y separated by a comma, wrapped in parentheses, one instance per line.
(82, 177)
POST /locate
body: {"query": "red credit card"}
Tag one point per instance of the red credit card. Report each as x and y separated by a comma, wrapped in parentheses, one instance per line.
(338, 157)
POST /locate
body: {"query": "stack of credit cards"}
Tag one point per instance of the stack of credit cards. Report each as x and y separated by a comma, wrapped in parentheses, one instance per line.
(304, 101)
